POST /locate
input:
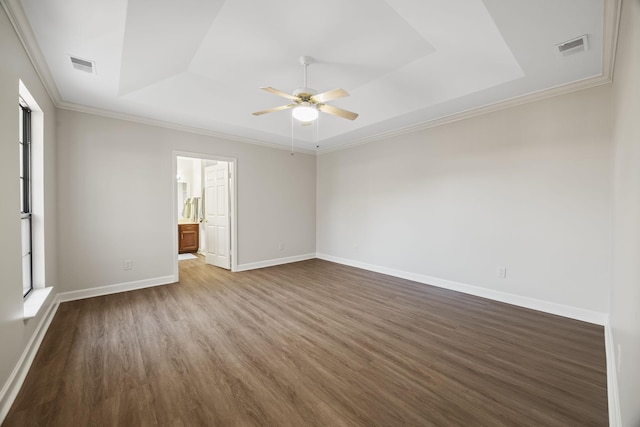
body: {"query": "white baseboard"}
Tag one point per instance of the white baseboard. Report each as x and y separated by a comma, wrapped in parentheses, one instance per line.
(11, 388)
(272, 262)
(16, 379)
(14, 382)
(612, 378)
(114, 289)
(521, 301)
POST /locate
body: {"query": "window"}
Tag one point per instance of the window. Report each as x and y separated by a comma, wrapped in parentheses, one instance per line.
(25, 196)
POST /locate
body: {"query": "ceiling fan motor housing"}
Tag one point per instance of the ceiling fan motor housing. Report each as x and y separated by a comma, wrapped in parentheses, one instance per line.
(305, 93)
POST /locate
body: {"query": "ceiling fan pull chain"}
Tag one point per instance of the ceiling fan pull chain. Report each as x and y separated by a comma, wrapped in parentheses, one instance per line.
(292, 135)
(317, 140)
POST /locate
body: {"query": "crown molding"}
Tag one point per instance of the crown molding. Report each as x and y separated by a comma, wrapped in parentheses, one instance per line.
(177, 126)
(25, 34)
(478, 111)
(611, 17)
(612, 12)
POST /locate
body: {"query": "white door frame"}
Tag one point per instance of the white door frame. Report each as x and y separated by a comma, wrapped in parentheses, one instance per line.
(216, 222)
(233, 203)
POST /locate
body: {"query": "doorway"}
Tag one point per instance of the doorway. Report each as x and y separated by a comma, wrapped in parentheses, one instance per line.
(205, 206)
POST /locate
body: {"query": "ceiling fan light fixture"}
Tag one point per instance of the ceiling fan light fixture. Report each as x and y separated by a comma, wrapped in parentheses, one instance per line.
(305, 112)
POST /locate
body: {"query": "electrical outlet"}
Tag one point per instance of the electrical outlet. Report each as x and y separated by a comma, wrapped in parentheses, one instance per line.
(501, 272)
(127, 264)
(281, 246)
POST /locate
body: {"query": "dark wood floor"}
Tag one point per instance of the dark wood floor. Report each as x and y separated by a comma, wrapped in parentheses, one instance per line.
(306, 344)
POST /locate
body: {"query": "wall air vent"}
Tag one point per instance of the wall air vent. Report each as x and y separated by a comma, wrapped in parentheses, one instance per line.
(83, 65)
(572, 47)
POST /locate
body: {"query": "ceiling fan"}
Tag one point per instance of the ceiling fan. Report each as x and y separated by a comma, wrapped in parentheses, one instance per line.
(307, 102)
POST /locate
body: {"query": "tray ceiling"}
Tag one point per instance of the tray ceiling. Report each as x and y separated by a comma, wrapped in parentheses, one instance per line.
(200, 64)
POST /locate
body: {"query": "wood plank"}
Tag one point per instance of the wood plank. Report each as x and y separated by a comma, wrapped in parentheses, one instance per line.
(310, 343)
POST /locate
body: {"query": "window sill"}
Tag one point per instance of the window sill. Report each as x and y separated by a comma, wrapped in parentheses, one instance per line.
(35, 301)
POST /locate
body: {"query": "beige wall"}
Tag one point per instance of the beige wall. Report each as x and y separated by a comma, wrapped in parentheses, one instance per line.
(527, 188)
(115, 199)
(625, 292)
(15, 332)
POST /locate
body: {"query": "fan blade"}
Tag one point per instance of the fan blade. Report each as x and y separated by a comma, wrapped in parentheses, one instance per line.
(280, 93)
(271, 110)
(329, 95)
(337, 111)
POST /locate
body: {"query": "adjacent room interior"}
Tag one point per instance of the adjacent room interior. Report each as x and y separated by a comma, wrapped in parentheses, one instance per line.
(424, 214)
(205, 208)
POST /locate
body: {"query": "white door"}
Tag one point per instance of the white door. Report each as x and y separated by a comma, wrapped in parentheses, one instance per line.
(217, 219)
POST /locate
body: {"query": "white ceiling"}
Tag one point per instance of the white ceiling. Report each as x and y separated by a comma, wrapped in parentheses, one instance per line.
(200, 63)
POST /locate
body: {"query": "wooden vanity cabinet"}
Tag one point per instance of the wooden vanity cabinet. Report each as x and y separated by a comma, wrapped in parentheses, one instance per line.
(188, 238)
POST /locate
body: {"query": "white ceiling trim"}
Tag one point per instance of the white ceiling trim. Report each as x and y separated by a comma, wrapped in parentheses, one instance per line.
(501, 105)
(176, 126)
(23, 29)
(25, 33)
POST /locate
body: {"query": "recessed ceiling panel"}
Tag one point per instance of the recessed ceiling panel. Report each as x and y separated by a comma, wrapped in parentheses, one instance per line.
(353, 42)
(161, 37)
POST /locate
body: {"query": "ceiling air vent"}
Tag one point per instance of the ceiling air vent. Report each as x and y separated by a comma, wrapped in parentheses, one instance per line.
(572, 47)
(83, 65)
